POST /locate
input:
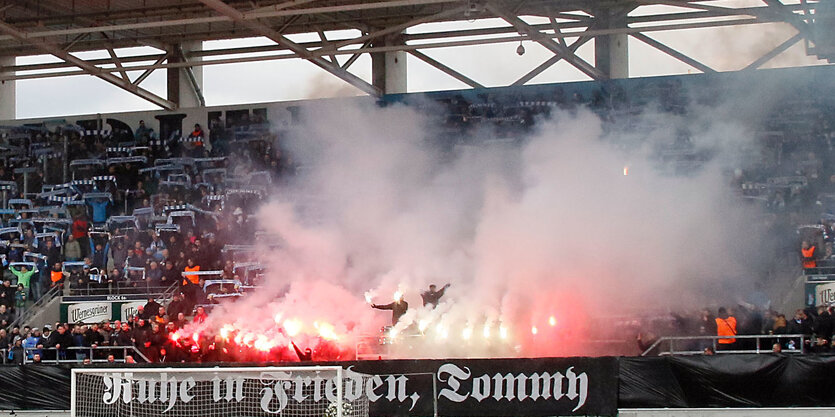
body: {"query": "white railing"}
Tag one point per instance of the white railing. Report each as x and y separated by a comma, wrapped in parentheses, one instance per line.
(668, 345)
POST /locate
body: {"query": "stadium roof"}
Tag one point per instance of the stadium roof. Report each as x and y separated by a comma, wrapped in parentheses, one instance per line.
(64, 27)
(83, 25)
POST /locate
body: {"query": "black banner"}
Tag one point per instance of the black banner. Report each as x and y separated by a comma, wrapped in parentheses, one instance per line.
(478, 387)
(727, 381)
(485, 387)
(500, 387)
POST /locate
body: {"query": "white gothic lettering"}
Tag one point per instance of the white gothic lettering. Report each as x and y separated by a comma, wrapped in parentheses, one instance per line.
(277, 390)
(513, 387)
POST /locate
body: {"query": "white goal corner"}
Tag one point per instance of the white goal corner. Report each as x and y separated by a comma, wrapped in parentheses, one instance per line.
(294, 391)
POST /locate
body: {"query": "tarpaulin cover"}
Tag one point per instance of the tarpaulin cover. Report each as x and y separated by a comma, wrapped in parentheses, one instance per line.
(34, 387)
(727, 381)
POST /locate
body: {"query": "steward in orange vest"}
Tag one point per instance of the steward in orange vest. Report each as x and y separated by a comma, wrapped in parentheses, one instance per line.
(807, 252)
(191, 267)
(725, 326)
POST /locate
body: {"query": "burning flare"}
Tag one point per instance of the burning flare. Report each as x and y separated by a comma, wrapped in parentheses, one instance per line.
(292, 327)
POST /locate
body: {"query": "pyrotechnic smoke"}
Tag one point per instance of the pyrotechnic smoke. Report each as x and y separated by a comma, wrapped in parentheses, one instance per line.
(536, 237)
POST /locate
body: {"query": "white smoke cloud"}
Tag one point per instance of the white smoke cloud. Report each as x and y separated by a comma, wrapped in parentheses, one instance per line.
(546, 233)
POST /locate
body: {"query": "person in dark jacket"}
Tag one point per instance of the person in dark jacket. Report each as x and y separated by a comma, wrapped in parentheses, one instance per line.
(170, 274)
(78, 340)
(99, 257)
(176, 306)
(433, 295)
(151, 308)
(52, 253)
(156, 341)
(16, 353)
(800, 324)
(124, 336)
(823, 324)
(93, 337)
(398, 308)
(194, 295)
(60, 339)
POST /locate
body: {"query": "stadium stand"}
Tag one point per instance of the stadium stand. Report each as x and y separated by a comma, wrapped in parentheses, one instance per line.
(169, 220)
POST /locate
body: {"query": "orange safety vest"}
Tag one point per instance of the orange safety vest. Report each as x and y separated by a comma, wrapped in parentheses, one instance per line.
(194, 279)
(197, 134)
(726, 327)
(809, 257)
(56, 275)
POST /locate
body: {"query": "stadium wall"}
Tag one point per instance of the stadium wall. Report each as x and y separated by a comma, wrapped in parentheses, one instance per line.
(665, 412)
(729, 412)
(494, 387)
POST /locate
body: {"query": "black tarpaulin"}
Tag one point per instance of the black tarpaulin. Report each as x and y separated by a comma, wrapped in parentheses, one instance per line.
(727, 381)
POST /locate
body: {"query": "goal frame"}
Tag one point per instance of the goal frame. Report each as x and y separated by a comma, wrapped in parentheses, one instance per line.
(337, 369)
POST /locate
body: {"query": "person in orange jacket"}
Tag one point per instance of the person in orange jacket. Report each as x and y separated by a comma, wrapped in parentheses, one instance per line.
(808, 254)
(725, 326)
(191, 267)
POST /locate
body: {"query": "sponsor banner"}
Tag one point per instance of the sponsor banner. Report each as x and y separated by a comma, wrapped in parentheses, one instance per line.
(497, 387)
(88, 312)
(825, 294)
(119, 309)
(130, 309)
(79, 298)
(820, 293)
(818, 278)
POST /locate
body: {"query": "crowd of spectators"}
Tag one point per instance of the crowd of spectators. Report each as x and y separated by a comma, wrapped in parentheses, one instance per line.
(134, 217)
(141, 210)
(146, 335)
(720, 330)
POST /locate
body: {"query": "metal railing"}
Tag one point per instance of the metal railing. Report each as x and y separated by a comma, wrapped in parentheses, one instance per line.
(687, 342)
(820, 270)
(371, 347)
(68, 355)
(35, 307)
(121, 288)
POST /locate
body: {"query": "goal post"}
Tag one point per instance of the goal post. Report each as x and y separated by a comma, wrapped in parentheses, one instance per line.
(292, 391)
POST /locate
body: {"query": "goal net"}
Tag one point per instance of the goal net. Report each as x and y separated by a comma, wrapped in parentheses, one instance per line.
(303, 391)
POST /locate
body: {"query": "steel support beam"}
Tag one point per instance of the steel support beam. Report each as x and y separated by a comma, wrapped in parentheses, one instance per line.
(324, 40)
(551, 61)
(546, 41)
(149, 71)
(397, 28)
(558, 30)
(252, 15)
(780, 10)
(768, 56)
(445, 69)
(673, 53)
(55, 50)
(355, 56)
(281, 6)
(411, 37)
(118, 64)
(414, 41)
(194, 83)
(301, 51)
(370, 49)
